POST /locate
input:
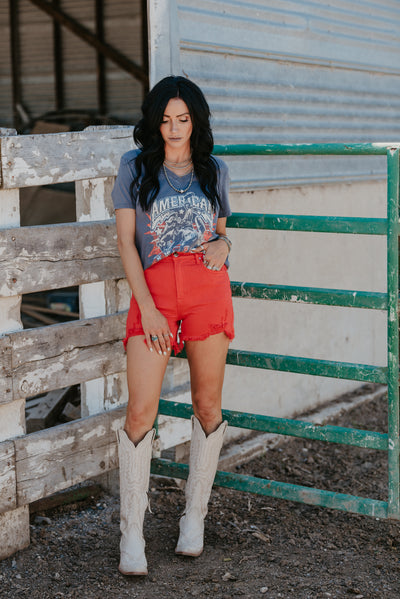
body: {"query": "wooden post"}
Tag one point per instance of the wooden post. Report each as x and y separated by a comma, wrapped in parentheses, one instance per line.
(93, 202)
(14, 525)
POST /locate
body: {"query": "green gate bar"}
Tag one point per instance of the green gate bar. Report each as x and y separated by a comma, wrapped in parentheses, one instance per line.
(339, 370)
(279, 490)
(337, 297)
(311, 295)
(357, 149)
(316, 224)
(393, 330)
(286, 426)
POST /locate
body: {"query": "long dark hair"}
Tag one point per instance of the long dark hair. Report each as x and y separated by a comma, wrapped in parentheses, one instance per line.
(148, 138)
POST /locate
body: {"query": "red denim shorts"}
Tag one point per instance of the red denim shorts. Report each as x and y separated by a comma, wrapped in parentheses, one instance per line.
(196, 301)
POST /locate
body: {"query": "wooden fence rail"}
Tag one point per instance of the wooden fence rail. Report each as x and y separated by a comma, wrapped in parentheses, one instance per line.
(44, 257)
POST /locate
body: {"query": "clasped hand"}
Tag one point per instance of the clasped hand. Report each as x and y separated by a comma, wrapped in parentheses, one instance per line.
(215, 253)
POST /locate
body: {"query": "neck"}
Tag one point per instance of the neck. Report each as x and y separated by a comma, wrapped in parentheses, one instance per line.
(177, 157)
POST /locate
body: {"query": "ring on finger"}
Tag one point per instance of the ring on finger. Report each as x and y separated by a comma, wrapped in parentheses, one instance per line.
(154, 337)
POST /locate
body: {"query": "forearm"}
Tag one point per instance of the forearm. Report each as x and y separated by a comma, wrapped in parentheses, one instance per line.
(135, 275)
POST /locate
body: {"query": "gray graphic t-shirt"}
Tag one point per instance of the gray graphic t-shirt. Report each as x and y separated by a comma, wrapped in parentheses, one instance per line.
(176, 222)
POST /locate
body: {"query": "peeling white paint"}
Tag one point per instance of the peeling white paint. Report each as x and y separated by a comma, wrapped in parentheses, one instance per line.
(42, 446)
(99, 431)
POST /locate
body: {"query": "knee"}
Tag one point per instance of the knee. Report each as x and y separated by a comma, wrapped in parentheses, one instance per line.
(139, 418)
(207, 410)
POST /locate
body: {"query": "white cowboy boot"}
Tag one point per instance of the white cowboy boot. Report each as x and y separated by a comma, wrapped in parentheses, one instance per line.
(204, 454)
(134, 474)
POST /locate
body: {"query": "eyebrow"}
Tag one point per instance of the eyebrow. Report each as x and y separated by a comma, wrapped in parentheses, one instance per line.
(178, 115)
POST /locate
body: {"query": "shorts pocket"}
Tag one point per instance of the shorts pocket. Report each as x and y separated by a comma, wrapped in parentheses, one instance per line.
(210, 270)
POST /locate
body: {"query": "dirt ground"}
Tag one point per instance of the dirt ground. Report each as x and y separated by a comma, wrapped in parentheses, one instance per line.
(254, 546)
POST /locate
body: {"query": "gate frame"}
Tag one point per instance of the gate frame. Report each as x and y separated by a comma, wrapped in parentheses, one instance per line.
(348, 298)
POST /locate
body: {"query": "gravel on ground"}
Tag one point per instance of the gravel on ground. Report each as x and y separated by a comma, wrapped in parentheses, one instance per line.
(254, 546)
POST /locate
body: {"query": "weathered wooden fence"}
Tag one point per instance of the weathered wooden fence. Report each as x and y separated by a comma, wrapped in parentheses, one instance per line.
(87, 351)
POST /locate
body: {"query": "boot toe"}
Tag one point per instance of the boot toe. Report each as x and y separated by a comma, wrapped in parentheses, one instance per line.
(131, 567)
(188, 551)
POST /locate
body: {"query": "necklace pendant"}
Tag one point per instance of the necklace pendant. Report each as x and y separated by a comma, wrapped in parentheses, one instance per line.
(181, 190)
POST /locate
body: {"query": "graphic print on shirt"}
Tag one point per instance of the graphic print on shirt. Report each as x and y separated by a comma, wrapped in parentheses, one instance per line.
(179, 223)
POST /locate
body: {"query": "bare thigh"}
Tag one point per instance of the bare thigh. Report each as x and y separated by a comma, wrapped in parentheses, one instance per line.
(145, 373)
(207, 369)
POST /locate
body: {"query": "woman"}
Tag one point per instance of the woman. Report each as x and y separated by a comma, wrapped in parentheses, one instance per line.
(171, 202)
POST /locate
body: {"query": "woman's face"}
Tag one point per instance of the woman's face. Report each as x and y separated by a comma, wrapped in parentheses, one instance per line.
(176, 126)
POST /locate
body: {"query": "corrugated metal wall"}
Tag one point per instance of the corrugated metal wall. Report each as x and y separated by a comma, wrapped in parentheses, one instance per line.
(295, 71)
(123, 29)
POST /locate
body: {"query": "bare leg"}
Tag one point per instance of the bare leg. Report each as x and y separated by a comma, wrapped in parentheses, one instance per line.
(207, 368)
(145, 371)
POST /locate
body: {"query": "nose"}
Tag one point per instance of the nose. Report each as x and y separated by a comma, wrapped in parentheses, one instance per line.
(174, 125)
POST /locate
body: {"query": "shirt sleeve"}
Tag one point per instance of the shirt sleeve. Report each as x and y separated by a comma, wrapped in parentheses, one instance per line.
(223, 188)
(123, 193)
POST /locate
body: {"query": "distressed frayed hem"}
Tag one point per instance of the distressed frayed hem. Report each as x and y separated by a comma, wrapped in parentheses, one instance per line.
(214, 330)
(131, 333)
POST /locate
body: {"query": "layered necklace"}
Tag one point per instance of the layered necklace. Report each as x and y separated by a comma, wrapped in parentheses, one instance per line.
(178, 166)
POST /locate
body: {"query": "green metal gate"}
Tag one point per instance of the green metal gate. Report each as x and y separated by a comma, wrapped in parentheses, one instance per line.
(334, 297)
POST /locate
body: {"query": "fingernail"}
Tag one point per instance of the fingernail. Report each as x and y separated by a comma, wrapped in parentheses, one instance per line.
(171, 335)
(151, 349)
(160, 352)
(165, 353)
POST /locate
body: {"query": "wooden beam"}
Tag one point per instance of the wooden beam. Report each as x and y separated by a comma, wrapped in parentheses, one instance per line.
(101, 63)
(65, 354)
(14, 523)
(57, 458)
(65, 497)
(58, 61)
(45, 257)
(43, 159)
(145, 43)
(48, 409)
(6, 379)
(15, 47)
(8, 486)
(90, 38)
